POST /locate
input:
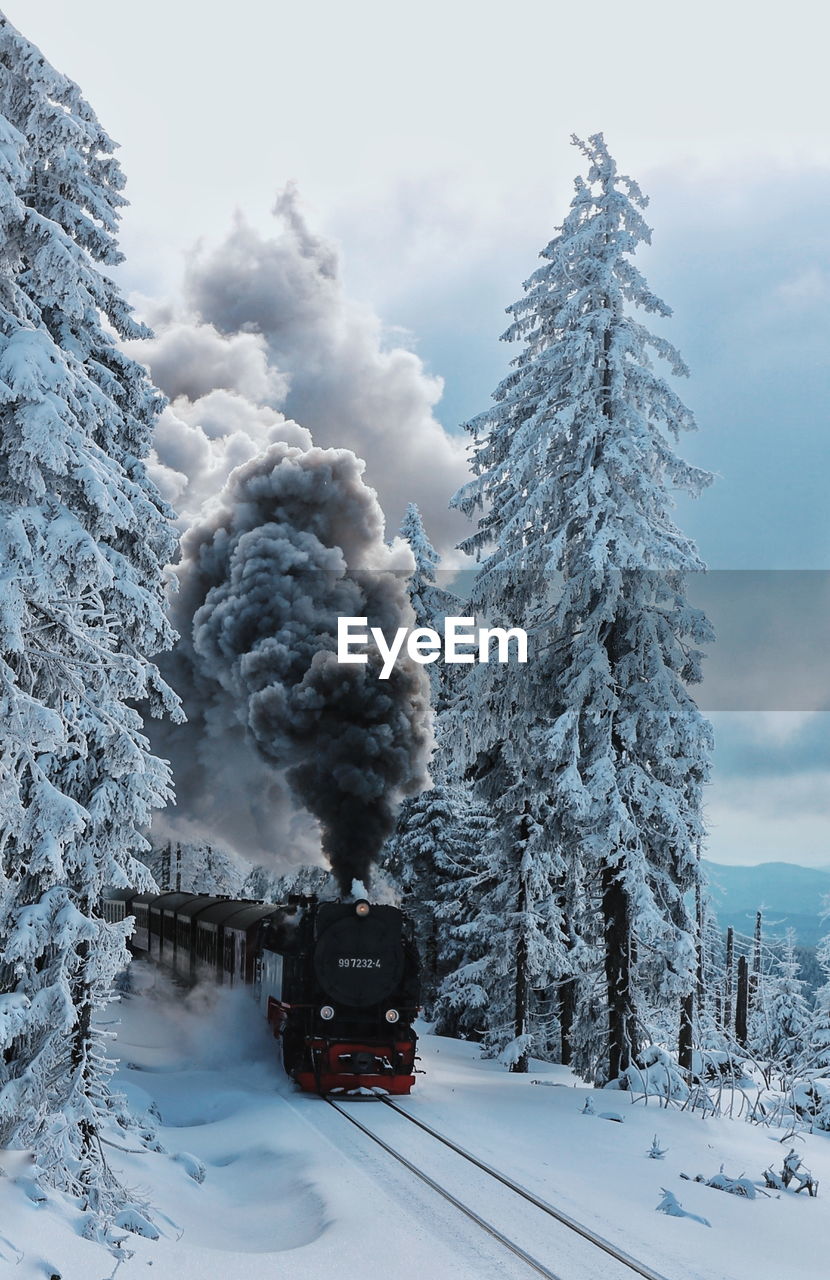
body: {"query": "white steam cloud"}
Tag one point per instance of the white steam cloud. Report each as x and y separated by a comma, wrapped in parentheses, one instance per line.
(265, 339)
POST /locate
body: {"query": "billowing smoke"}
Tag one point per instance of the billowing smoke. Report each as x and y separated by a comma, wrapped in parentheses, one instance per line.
(265, 334)
(296, 540)
(224, 394)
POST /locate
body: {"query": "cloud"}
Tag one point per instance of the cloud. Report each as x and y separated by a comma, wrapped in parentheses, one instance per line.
(769, 794)
(763, 745)
(771, 819)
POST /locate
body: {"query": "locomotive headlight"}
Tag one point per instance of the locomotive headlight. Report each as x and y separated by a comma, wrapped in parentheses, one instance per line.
(327, 1013)
(392, 1015)
(362, 909)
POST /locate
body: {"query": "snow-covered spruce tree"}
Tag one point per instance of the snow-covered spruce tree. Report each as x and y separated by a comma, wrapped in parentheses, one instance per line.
(780, 1021)
(436, 846)
(814, 1061)
(818, 1032)
(716, 1003)
(444, 855)
(439, 832)
(431, 603)
(263, 883)
(83, 538)
(196, 866)
(505, 923)
(606, 746)
(503, 926)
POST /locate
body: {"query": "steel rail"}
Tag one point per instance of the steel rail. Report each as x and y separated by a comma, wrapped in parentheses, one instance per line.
(514, 1248)
(641, 1268)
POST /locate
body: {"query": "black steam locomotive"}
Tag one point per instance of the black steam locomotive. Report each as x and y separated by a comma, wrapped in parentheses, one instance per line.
(337, 981)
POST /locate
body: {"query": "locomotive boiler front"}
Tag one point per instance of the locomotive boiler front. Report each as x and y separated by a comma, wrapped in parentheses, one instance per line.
(349, 1000)
(359, 956)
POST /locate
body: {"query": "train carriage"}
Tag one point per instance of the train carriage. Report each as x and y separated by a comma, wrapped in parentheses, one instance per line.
(139, 941)
(162, 925)
(242, 933)
(117, 905)
(187, 916)
(214, 950)
(171, 905)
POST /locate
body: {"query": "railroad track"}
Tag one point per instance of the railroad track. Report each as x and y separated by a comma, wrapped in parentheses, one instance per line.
(514, 1248)
(578, 1229)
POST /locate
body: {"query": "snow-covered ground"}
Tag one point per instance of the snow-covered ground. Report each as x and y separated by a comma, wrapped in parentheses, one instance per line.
(292, 1189)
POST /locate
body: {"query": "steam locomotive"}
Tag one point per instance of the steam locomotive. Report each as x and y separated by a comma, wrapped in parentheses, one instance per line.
(337, 981)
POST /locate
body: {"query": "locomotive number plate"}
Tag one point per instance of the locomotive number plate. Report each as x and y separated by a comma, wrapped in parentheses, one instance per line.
(357, 962)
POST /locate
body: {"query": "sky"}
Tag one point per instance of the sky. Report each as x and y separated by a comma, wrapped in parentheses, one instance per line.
(429, 148)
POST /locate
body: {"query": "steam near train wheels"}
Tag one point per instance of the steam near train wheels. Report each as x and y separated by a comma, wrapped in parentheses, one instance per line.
(292, 1050)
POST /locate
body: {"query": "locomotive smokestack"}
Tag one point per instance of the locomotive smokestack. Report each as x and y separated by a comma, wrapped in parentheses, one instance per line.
(297, 542)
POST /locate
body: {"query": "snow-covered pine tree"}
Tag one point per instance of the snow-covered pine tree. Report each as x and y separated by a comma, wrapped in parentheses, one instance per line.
(440, 832)
(716, 1011)
(607, 749)
(83, 538)
(500, 915)
(780, 1021)
(431, 603)
(818, 1032)
(196, 866)
(263, 883)
(437, 845)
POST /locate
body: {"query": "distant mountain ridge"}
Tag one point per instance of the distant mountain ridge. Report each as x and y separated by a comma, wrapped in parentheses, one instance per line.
(790, 897)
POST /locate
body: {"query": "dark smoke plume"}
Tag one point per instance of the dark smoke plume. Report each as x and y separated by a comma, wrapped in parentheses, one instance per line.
(297, 541)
